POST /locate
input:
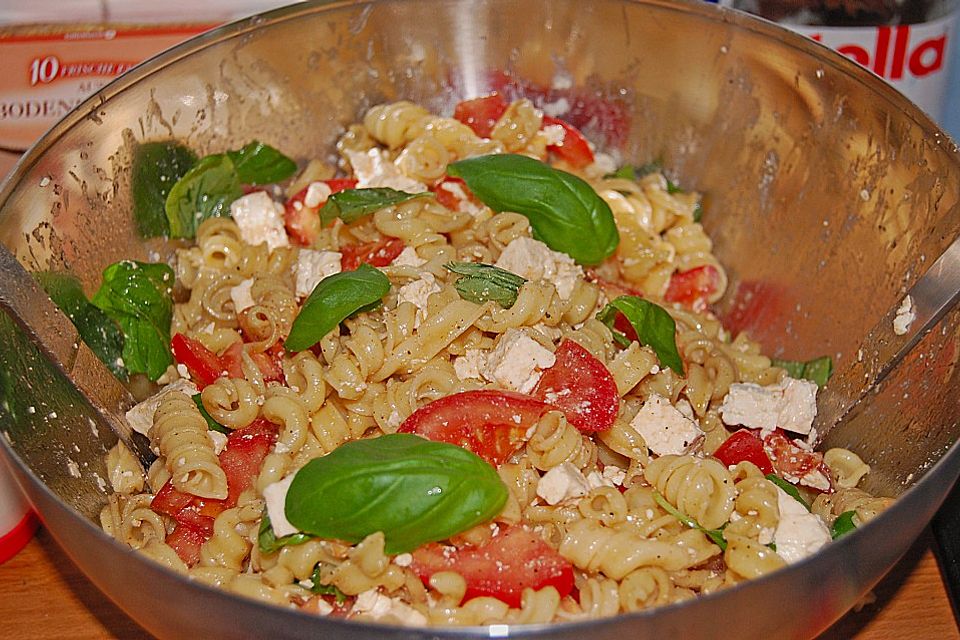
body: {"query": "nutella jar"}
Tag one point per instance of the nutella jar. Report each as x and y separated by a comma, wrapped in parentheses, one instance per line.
(909, 43)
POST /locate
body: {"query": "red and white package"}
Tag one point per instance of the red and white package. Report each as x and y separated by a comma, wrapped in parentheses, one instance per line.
(17, 520)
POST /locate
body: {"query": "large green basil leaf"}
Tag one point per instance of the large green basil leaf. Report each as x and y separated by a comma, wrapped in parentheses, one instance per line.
(101, 333)
(205, 191)
(413, 490)
(481, 282)
(564, 211)
(259, 163)
(817, 370)
(157, 166)
(352, 204)
(333, 300)
(654, 327)
(137, 295)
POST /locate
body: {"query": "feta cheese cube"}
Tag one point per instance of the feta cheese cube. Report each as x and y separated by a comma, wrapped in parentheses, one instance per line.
(418, 294)
(241, 296)
(218, 440)
(140, 416)
(517, 361)
(799, 533)
(906, 314)
(533, 260)
(664, 428)
(260, 220)
(317, 194)
(563, 482)
(375, 605)
(373, 169)
(408, 258)
(790, 404)
(275, 497)
(553, 134)
(468, 365)
(314, 266)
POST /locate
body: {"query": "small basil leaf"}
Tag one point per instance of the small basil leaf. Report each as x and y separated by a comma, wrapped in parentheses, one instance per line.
(212, 424)
(843, 525)
(817, 370)
(268, 541)
(788, 488)
(101, 333)
(654, 327)
(157, 166)
(698, 211)
(716, 535)
(413, 490)
(205, 191)
(326, 589)
(564, 211)
(259, 163)
(630, 172)
(481, 282)
(137, 295)
(332, 301)
(352, 204)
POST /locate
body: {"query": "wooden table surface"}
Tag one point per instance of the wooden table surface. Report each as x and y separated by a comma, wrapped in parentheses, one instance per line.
(43, 595)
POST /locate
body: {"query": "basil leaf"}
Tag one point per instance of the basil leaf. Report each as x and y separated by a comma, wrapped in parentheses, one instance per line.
(352, 204)
(326, 589)
(413, 490)
(788, 488)
(101, 334)
(157, 166)
(817, 370)
(259, 163)
(137, 295)
(212, 424)
(564, 211)
(205, 191)
(268, 541)
(654, 327)
(332, 301)
(716, 535)
(843, 524)
(481, 282)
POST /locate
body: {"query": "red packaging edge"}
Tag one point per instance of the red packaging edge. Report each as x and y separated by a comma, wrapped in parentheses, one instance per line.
(18, 537)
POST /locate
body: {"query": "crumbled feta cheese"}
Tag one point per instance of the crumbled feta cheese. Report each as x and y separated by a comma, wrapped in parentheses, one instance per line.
(790, 404)
(182, 371)
(241, 296)
(373, 169)
(468, 365)
(664, 428)
(140, 416)
(556, 108)
(615, 475)
(260, 220)
(378, 606)
(533, 260)
(816, 479)
(765, 536)
(321, 606)
(275, 496)
(517, 361)
(418, 294)
(563, 482)
(218, 440)
(403, 560)
(314, 266)
(906, 314)
(317, 194)
(408, 258)
(553, 134)
(595, 480)
(464, 202)
(799, 532)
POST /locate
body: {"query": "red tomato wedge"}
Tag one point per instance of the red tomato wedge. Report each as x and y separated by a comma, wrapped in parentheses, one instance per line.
(203, 365)
(231, 360)
(244, 454)
(574, 148)
(502, 568)
(789, 459)
(376, 254)
(186, 541)
(303, 222)
(581, 386)
(694, 287)
(481, 114)
(448, 198)
(744, 445)
(491, 424)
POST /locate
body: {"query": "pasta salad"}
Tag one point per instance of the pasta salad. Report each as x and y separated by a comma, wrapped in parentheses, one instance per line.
(468, 374)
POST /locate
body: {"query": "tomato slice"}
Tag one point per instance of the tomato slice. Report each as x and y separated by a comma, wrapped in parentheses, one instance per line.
(203, 365)
(481, 114)
(574, 148)
(492, 424)
(789, 460)
(449, 199)
(303, 222)
(376, 254)
(501, 568)
(243, 456)
(186, 542)
(693, 288)
(581, 386)
(744, 445)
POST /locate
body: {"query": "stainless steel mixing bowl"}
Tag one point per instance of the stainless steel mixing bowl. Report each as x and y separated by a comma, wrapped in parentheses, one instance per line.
(827, 193)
